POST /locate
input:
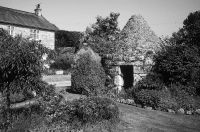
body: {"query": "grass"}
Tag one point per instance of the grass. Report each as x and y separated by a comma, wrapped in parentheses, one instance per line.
(142, 120)
(134, 119)
(56, 78)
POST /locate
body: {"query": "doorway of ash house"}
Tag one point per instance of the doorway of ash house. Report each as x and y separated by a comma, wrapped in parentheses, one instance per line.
(127, 71)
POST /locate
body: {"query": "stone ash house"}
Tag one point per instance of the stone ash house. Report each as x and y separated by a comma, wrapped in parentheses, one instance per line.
(29, 25)
(134, 58)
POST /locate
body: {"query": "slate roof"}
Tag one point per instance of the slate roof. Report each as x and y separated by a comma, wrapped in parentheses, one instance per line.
(25, 19)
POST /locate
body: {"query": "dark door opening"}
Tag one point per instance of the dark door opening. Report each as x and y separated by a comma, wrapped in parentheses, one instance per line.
(127, 71)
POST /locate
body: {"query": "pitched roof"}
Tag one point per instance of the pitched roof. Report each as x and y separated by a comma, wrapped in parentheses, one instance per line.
(25, 19)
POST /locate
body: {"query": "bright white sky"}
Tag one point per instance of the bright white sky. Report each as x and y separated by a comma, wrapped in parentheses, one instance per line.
(163, 16)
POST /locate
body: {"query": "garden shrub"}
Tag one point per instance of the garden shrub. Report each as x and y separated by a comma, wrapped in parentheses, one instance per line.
(88, 76)
(178, 60)
(173, 98)
(84, 112)
(185, 101)
(21, 68)
(63, 62)
(175, 88)
(166, 101)
(147, 97)
(25, 119)
(151, 82)
(67, 39)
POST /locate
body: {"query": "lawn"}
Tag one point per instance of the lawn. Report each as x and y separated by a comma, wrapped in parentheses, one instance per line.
(58, 80)
(134, 119)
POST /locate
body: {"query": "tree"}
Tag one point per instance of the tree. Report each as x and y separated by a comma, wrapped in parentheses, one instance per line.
(189, 34)
(178, 62)
(102, 36)
(192, 28)
(67, 39)
(106, 28)
(21, 66)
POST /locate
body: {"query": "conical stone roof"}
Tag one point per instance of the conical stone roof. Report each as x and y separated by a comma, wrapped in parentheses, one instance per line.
(138, 36)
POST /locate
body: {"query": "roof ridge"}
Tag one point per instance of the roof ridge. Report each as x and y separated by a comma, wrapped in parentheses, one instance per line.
(21, 11)
(23, 18)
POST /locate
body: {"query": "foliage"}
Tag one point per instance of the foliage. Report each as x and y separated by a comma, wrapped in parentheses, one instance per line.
(185, 101)
(103, 35)
(107, 27)
(167, 101)
(147, 97)
(21, 66)
(192, 28)
(26, 118)
(85, 112)
(63, 61)
(67, 39)
(178, 62)
(183, 96)
(150, 82)
(158, 99)
(34, 117)
(176, 68)
(88, 76)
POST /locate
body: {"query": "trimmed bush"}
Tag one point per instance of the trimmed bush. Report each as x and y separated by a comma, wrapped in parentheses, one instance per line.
(88, 76)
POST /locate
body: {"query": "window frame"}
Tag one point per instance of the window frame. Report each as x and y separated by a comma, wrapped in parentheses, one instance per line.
(11, 30)
(34, 34)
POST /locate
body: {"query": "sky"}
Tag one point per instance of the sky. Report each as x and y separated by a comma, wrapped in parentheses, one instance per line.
(163, 16)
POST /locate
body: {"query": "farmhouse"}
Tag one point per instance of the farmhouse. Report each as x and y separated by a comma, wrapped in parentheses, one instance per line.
(29, 25)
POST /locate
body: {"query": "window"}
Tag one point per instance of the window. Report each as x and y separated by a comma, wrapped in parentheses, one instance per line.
(11, 30)
(34, 34)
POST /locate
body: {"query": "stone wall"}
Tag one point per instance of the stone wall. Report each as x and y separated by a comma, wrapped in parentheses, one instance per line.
(140, 67)
(140, 44)
(4, 26)
(47, 37)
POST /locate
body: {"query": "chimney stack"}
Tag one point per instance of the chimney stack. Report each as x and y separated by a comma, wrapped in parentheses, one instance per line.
(38, 10)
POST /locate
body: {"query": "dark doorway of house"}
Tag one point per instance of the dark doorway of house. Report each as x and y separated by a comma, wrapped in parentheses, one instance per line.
(127, 71)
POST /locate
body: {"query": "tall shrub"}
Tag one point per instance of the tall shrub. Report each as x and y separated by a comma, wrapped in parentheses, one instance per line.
(88, 76)
(178, 62)
(21, 66)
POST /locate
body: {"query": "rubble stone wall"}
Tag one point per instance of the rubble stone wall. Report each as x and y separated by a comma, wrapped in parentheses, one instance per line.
(47, 37)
